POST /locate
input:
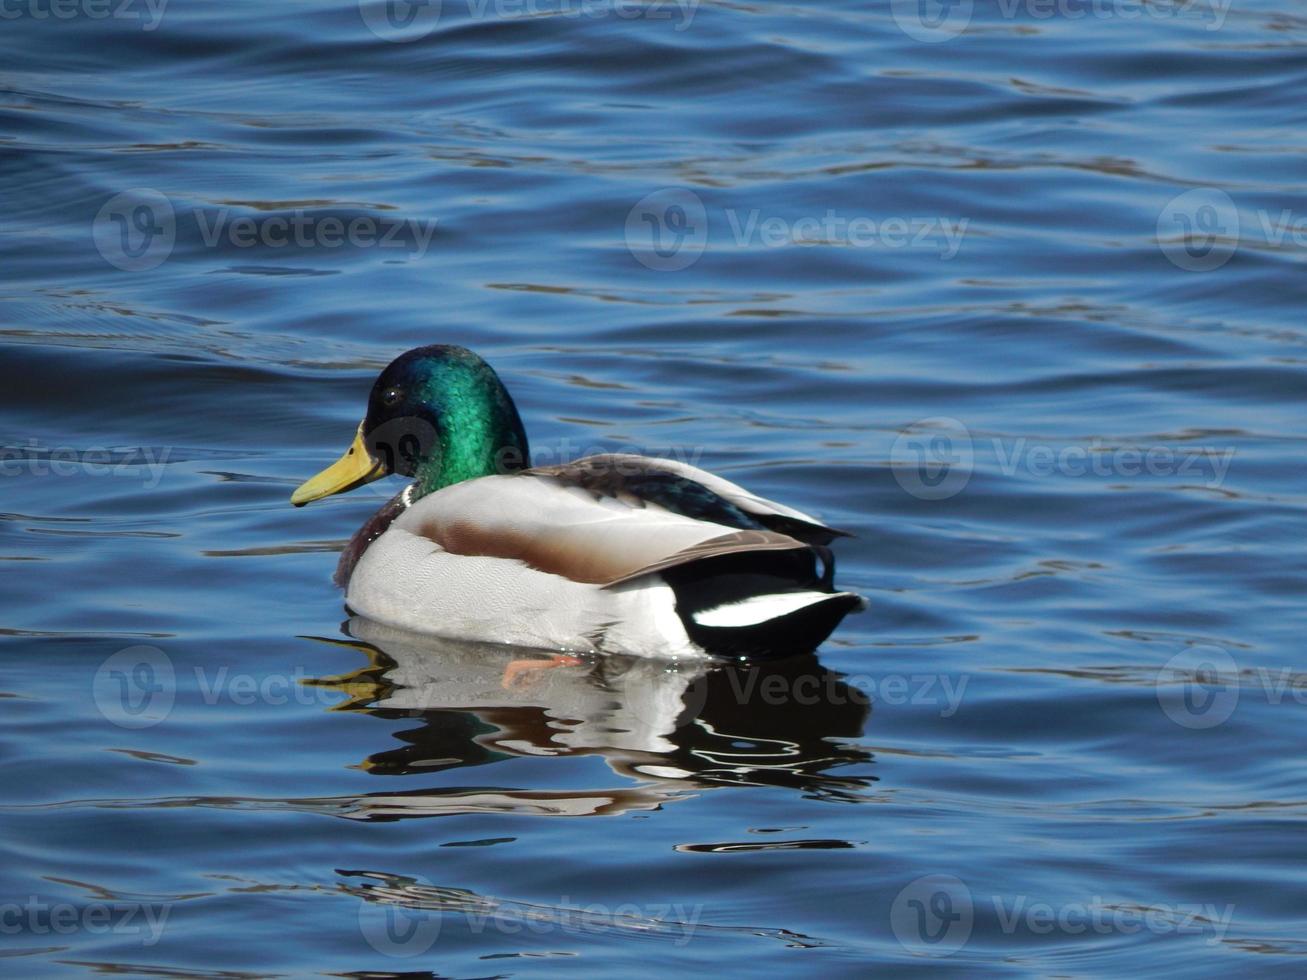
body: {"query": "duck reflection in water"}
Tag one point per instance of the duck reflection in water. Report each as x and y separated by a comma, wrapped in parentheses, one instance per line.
(672, 728)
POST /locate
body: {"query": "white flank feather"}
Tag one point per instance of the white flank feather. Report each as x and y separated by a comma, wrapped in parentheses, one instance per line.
(757, 609)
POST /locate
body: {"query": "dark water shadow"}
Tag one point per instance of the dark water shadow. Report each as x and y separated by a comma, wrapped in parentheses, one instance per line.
(670, 729)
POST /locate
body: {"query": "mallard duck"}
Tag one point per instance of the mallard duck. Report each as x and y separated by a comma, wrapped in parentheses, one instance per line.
(610, 553)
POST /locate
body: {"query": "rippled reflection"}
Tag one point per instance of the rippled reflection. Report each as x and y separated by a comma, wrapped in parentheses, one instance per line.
(667, 727)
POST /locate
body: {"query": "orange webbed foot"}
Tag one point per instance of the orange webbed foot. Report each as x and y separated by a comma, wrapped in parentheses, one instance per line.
(520, 673)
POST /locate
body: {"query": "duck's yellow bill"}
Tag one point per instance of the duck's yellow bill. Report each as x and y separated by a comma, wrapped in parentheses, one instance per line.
(354, 469)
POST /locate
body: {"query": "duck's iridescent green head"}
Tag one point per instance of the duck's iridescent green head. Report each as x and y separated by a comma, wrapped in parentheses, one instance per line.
(439, 414)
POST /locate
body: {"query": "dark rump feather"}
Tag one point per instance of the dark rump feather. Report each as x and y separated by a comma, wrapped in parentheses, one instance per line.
(732, 578)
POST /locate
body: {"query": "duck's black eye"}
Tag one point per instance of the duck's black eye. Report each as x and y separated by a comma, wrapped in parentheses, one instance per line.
(391, 396)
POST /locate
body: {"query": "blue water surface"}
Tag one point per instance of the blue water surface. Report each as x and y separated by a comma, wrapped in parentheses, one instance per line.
(1012, 290)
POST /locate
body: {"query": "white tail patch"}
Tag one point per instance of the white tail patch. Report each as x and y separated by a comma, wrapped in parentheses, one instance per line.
(758, 609)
